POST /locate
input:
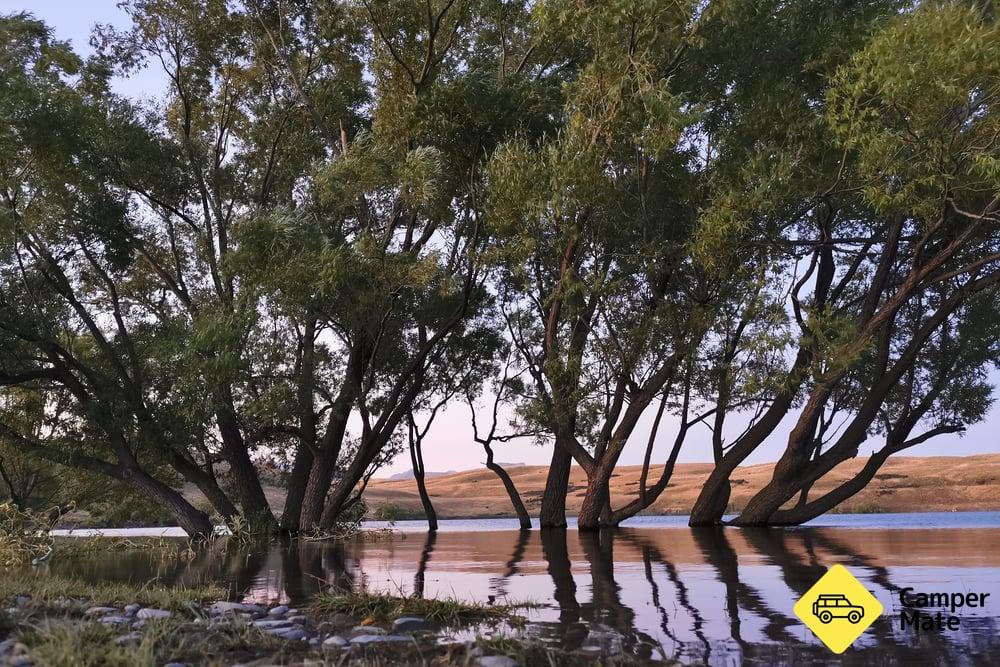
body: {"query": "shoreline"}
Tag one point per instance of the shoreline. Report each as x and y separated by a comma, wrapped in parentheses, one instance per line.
(863, 521)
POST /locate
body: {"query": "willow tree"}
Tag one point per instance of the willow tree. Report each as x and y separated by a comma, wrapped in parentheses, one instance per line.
(642, 246)
(377, 266)
(900, 333)
(285, 243)
(593, 223)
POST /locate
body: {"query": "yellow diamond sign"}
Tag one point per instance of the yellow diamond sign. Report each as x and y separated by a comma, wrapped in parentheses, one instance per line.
(838, 608)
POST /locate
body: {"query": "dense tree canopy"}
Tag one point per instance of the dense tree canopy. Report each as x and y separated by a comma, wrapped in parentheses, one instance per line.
(342, 215)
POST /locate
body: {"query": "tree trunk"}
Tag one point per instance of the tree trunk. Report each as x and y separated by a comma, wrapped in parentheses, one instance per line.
(553, 510)
(292, 513)
(207, 484)
(194, 522)
(713, 499)
(316, 489)
(596, 503)
(350, 478)
(256, 510)
(515, 498)
(766, 502)
(417, 460)
(297, 480)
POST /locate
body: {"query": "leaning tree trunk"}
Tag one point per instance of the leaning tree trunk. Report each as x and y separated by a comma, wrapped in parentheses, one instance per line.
(256, 510)
(417, 460)
(712, 500)
(194, 522)
(515, 498)
(596, 506)
(553, 510)
(316, 489)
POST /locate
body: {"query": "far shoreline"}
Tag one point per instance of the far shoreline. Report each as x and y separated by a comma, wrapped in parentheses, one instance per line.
(960, 520)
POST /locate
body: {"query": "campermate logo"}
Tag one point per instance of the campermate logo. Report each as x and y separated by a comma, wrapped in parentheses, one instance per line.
(838, 608)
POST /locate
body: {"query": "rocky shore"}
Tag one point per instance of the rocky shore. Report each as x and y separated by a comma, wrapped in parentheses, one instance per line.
(73, 630)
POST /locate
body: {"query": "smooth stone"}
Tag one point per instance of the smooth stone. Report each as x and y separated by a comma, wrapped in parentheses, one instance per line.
(176, 664)
(132, 609)
(99, 611)
(409, 624)
(497, 661)
(280, 610)
(115, 620)
(335, 640)
(273, 624)
(364, 640)
(363, 630)
(131, 638)
(149, 614)
(296, 619)
(219, 608)
(294, 634)
(292, 612)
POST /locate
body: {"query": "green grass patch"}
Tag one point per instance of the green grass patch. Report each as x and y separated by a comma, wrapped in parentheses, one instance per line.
(382, 607)
(59, 642)
(47, 589)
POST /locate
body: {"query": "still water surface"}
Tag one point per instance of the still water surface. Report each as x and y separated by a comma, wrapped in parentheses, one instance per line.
(705, 596)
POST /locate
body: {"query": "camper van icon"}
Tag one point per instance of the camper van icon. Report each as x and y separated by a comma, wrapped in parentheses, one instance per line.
(828, 607)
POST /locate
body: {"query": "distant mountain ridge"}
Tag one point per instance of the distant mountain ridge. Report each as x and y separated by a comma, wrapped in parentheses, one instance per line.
(408, 474)
(959, 483)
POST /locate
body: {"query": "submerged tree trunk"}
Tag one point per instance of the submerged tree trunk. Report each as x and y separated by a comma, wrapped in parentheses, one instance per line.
(597, 502)
(515, 498)
(553, 510)
(256, 510)
(316, 489)
(417, 460)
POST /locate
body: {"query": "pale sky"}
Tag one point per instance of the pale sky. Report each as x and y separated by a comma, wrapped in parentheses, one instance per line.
(449, 445)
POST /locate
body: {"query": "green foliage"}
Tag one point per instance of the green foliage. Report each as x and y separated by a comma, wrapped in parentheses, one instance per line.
(915, 104)
(24, 535)
(128, 510)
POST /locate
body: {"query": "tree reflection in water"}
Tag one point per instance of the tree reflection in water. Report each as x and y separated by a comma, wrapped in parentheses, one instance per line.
(710, 595)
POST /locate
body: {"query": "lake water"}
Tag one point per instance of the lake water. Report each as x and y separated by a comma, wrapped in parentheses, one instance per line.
(705, 596)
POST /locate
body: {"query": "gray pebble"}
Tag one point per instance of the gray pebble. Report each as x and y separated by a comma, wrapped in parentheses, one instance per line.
(222, 607)
(132, 609)
(294, 634)
(131, 638)
(280, 610)
(335, 640)
(273, 624)
(365, 640)
(497, 661)
(114, 620)
(149, 614)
